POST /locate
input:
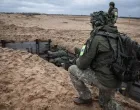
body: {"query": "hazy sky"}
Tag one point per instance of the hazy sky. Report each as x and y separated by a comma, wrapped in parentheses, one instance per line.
(80, 7)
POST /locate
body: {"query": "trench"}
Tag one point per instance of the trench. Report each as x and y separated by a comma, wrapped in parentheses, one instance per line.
(55, 54)
(62, 58)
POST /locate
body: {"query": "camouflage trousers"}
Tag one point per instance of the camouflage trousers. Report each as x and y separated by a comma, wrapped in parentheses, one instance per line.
(59, 60)
(81, 77)
(59, 53)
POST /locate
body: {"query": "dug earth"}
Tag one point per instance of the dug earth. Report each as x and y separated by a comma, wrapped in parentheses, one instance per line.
(28, 82)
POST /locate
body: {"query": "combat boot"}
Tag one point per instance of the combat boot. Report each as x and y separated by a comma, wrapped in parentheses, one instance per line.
(80, 101)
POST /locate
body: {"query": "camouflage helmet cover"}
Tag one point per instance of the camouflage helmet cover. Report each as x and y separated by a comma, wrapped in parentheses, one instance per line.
(99, 18)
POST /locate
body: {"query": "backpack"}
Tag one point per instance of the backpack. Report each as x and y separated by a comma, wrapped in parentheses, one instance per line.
(124, 64)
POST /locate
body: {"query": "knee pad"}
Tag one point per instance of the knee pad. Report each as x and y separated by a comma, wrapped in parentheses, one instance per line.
(72, 69)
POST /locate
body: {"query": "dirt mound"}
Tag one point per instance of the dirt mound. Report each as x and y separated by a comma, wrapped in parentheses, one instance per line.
(29, 82)
(61, 37)
(26, 81)
(18, 33)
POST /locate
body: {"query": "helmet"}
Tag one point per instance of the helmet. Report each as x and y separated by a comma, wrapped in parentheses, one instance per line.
(112, 4)
(99, 18)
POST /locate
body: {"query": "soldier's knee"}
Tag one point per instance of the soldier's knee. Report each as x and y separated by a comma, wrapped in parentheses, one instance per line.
(72, 69)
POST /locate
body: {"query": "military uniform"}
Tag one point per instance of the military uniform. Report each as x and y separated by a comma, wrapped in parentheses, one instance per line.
(59, 53)
(113, 13)
(92, 68)
(59, 57)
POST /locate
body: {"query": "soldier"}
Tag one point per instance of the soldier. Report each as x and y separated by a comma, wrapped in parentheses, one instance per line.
(59, 57)
(92, 66)
(113, 12)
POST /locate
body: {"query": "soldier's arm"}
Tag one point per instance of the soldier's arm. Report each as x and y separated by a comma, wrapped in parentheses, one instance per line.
(115, 15)
(115, 19)
(86, 58)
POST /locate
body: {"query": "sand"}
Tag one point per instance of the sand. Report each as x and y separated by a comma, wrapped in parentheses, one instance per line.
(27, 82)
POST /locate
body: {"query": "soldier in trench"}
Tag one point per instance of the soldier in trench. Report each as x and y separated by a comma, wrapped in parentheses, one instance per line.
(61, 57)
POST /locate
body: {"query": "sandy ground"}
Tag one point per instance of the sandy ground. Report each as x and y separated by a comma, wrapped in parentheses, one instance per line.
(28, 82)
(68, 31)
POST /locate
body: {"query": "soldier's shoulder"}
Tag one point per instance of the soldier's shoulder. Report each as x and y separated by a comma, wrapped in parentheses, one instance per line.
(96, 36)
(115, 9)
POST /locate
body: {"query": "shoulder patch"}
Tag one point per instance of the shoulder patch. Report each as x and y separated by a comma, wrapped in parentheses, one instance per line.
(82, 50)
(116, 13)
